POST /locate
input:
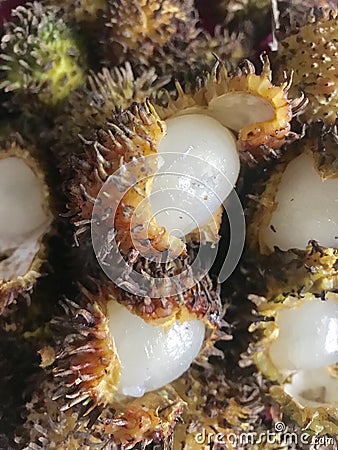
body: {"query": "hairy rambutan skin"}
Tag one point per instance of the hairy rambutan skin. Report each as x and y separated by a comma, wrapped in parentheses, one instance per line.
(89, 107)
(202, 300)
(41, 56)
(310, 50)
(121, 86)
(327, 151)
(88, 363)
(244, 6)
(215, 409)
(49, 426)
(164, 35)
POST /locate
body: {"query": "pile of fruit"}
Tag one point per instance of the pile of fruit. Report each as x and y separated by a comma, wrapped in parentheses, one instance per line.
(169, 230)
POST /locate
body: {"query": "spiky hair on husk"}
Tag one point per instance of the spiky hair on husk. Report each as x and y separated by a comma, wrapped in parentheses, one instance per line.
(326, 156)
(47, 425)
(318, 416)
(210, 401)
(92, 105)
(144, 25)
(256, 140)
(300, 271)
(164, 35)
(216, 407)
(293, 271)
(310, 50)
(41, 57)
(88, 366)
(200, 297)
(23, 257)
(244, 7)
(197, 54)
(84, 357)
(121, 86)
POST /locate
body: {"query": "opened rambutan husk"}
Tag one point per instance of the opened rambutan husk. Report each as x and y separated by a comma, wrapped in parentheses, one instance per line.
(137, 132)
(25, 252)
(80, 384)
(307, 403)
(127, 129)
(124, 140)
(223, 95)
(284, 272)
(88, 366)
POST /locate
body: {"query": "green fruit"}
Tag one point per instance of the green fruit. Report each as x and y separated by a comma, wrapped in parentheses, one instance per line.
(41, 56)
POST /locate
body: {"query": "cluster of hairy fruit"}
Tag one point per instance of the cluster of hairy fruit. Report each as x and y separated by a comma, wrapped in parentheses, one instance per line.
(131, 132)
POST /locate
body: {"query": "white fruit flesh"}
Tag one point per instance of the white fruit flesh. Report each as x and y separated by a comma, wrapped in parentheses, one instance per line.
(190, 187)
(150, 355)
(253, 109)
(24, 217)
(307, 208)
(315, 387)
(307, 344)
(308, 335)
